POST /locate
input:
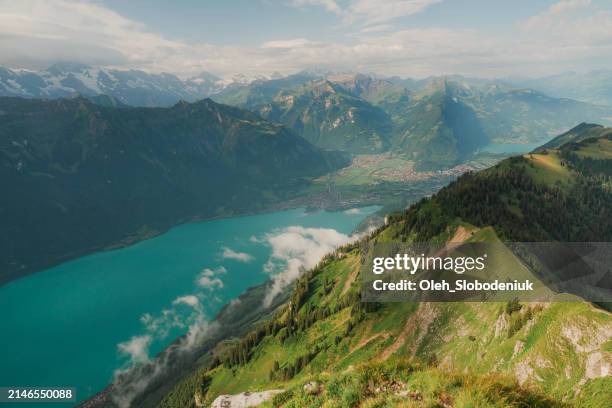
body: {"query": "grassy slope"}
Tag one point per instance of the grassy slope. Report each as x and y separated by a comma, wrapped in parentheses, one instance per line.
(600, 149)
(581, 132)
(468, 338)
(443, 354)
(547, 169)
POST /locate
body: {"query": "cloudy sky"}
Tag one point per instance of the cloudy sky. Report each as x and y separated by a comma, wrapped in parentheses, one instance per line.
(409, 38)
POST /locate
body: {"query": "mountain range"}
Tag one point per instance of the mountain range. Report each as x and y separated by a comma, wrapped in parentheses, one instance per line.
(78, 176)
(330, 117)
(323, 346)
(140, 88)
(439, 122)
(150, 168)
(130, 87)
(594, 86)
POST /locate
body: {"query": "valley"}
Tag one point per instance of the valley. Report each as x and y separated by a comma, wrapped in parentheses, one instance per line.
(366, 169)
(386, 179)
(100, 151)
(306, 204)
(431, 159)
(437, 123)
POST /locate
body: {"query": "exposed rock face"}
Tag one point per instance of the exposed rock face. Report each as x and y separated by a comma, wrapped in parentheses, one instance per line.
(598, 365)
(418, 322)
(501, 325)
(586, 337)
(518, 347)
(244, 399)
(524, 372)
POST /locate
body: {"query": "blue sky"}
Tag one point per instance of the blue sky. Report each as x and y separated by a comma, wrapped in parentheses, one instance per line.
(265, 20)
(409, 38)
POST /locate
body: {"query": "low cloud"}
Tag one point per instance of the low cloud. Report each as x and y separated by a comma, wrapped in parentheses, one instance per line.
(297, 42)
(208, 278)
(376, 28)
(296, 249)
(133, 379)
(210, 283)
(186, 314)
(234, 302)
(137, 349)
(219, 270)
(189, 300)
(367, 12)
(229, 253)
(554, 14)
(353, 211)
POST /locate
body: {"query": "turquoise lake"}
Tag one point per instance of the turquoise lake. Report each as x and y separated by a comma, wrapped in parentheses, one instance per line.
(63, 326)
(510, 148)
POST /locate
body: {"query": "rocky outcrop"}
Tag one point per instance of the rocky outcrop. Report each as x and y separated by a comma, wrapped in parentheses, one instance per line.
(244, 399)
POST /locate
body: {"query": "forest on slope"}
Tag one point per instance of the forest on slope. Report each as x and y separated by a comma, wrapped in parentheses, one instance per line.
(79, 177)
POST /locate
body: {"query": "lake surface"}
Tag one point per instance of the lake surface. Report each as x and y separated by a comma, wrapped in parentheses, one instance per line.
(510, 148)
(75, 324)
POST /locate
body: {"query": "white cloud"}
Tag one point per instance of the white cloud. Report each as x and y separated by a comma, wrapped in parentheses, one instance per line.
(554, 15)
(189, 300)
(220, 270)
(376, 28)
(566, 5)
(208, 278)
(329, 5)
(137, 348)
(353, 211)
(229, 253)
(210, 283)
(38, 31)
(234, 302)
(130, 382)
(197, 331)
(133, 378)
(571, 34)
(297, 42)
(296, 249)
(375, 12)
(368, 12)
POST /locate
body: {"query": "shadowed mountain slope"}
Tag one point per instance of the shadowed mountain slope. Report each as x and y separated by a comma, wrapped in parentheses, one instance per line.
(79, 176)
